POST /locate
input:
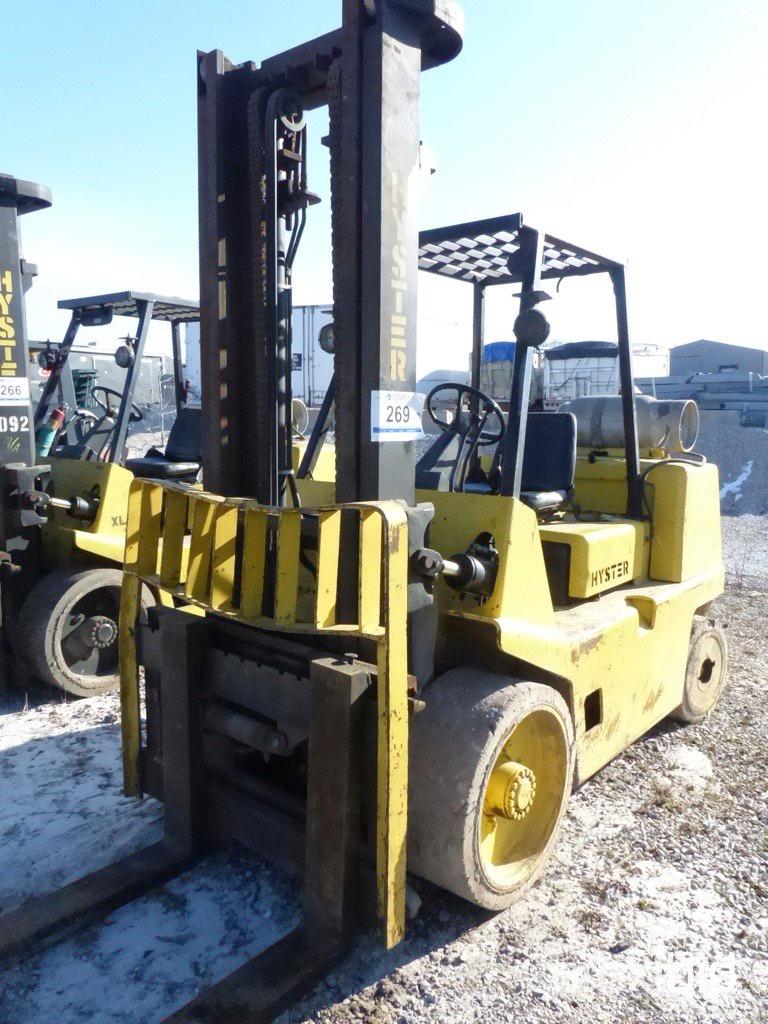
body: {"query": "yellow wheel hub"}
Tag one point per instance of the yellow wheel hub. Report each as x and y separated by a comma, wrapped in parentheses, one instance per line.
(511, 789)
(523, 797)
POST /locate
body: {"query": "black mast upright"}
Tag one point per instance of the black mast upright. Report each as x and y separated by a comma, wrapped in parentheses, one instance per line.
(17, 442)
(367, 72)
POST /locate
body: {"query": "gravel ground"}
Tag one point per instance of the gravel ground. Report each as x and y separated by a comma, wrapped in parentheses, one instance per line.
(741, 454)
(745, 551)
(655, 907)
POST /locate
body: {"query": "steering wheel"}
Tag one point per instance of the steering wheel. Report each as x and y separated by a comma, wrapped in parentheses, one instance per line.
(469, 424)
(111, 409)
(467, 430)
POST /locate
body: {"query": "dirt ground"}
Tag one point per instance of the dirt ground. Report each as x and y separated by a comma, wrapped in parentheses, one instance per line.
(655, 907)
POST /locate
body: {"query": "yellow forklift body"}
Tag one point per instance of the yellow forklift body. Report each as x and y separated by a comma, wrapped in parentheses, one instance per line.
(620, 658)
(683, 499)
(63, 537)
(686, 521)
(619, 654)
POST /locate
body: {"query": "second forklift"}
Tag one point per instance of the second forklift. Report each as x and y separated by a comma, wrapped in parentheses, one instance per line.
(66, 633)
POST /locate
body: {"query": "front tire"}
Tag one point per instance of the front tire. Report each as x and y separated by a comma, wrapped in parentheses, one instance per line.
(67, 630)
(491, 770)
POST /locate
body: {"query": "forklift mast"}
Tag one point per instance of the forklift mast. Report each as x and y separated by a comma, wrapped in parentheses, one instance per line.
(253, 201)
(19, 533)
(16, 436)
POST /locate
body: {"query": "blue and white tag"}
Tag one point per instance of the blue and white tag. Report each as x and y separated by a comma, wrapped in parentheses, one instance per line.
(396, 416)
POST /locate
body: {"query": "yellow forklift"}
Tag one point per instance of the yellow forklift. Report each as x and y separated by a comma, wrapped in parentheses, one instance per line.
(63, 514)
(66, 633)
(410, 665)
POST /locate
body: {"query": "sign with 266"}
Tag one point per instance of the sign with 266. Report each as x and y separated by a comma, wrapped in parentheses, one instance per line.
(14, 391)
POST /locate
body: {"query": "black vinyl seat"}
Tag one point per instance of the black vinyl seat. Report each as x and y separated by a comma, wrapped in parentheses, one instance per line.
(549, 462)
(182, 457)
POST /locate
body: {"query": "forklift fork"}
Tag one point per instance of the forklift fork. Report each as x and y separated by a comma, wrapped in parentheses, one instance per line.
(265, 985)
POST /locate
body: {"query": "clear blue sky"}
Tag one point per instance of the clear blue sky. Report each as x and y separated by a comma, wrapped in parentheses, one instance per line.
(637, 129)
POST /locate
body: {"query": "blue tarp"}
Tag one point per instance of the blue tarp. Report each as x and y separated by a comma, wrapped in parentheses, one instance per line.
(499, 352)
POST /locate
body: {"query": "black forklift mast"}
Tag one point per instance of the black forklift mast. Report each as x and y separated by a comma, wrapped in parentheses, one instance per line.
(19, 533)
(365, 72)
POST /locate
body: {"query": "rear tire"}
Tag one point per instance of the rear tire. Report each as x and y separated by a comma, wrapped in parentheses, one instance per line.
(491, 770)
(705, 672)
(67, 629)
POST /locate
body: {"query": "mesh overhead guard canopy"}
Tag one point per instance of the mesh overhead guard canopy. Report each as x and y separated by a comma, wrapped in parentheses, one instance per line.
(166, 307)
(479, 252)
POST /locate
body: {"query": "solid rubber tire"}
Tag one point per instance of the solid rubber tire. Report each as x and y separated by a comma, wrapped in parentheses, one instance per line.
(689, 710)
(454, 743)
(41, 616)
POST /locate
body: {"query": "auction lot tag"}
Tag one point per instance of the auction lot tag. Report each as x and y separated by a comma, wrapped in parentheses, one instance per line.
(14, 391)
(396, 416)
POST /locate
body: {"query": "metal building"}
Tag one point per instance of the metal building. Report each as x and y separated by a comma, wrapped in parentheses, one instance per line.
(705, 356)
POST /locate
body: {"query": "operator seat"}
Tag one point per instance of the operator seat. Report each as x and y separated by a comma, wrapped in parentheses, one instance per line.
(182, 457)
(549, 463)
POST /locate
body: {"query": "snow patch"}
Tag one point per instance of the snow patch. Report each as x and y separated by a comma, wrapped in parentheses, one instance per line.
(63, 815)
(688, 765)
(60, 791)
(734, 486)
(154, 955)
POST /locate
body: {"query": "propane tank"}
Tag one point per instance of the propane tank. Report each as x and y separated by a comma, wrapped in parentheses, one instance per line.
(670, 425)
(46, 433)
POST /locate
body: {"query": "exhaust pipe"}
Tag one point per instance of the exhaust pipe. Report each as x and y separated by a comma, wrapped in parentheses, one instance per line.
(670, 425)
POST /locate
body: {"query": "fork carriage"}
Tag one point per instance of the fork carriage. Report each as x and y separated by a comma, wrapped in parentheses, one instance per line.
(243, 678)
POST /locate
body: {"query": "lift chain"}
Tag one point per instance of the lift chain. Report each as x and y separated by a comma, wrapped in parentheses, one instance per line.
(334, 145)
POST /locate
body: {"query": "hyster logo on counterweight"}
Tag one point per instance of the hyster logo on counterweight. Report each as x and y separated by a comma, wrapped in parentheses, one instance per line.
(609, 573)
